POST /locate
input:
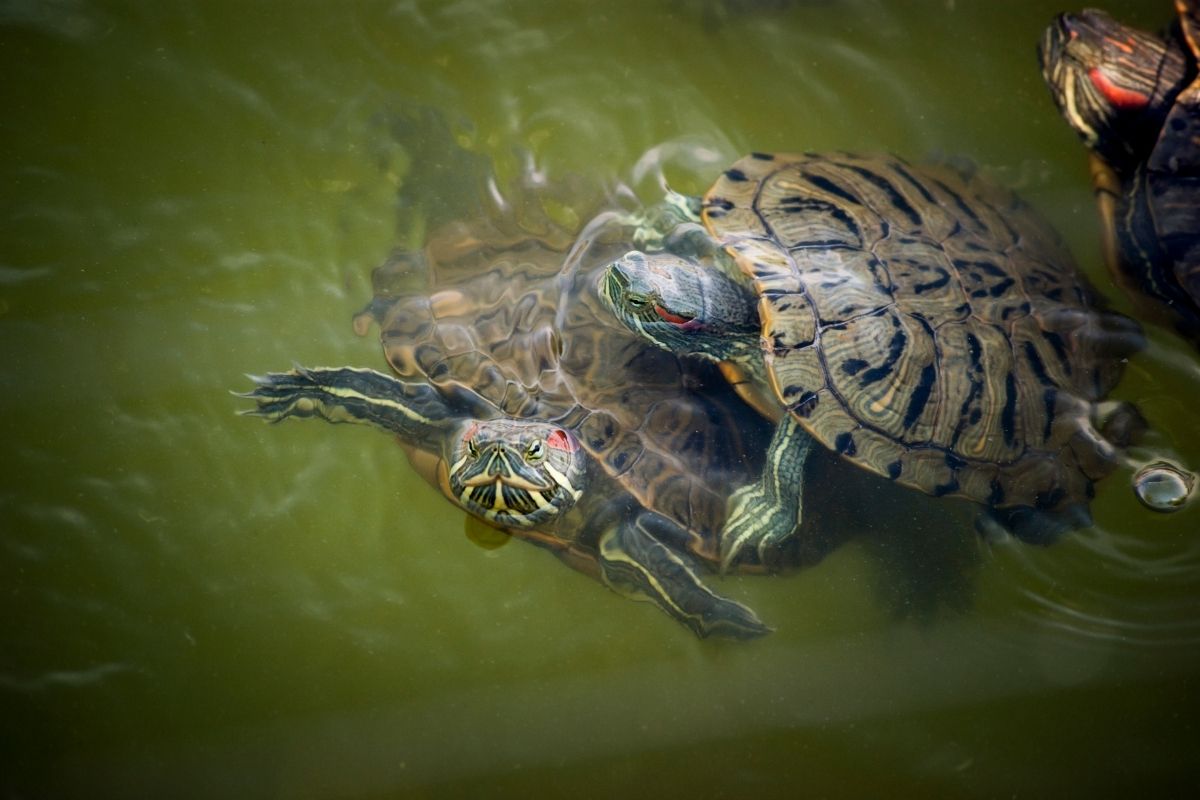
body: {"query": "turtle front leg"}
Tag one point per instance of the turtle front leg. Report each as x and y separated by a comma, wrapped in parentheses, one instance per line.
(764, 514)
(415, 412)
(674, 225)
(634, 562)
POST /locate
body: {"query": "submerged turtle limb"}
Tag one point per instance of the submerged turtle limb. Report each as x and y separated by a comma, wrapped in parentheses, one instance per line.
(673, 225)
(691, 309)
(636, 563)
(515, 474)
(522, 475)
(414, 412)
(765, 514)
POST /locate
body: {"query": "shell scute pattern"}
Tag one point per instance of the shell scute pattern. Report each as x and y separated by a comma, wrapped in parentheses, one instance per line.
(503, 324)
(824, 417)
(794, 324)
(873, 362)
(798, 377)
(924, 283)
(922, 323)
(843, 286)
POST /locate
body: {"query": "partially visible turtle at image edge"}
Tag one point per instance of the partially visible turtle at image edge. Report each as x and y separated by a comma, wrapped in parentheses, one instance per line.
(923, 324)
(1134, 99)
(530, 408)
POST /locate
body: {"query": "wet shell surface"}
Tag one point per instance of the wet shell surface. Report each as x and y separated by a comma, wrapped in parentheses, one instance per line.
(924, 324)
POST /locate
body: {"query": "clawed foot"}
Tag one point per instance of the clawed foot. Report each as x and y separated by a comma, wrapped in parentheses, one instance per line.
(758, 521)
(673, 223)
(767, 513)
(635, 562)
(279, 395)
(728, 618)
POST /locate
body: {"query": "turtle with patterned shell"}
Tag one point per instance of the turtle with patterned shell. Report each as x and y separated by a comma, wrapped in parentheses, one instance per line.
(921, 322)
(532, 409)
(1134, 99)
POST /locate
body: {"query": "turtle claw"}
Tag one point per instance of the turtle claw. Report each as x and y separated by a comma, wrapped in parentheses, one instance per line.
(756, 520)
(767, 513)
(730, 619)
(635, 562)
(275, 394)
(653, 227)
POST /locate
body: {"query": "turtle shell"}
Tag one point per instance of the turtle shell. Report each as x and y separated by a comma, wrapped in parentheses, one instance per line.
(1172, 174)
(506, 322)
(923, 324)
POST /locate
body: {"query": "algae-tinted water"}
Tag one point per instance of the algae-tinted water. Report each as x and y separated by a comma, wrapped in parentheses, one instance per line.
(197, 604)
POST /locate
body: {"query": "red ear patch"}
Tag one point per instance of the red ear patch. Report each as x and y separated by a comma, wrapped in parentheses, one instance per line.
(1125, 99)
(674, 319)
(560, 440)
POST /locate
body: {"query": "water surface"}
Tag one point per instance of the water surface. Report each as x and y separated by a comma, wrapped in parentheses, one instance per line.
(199, 604)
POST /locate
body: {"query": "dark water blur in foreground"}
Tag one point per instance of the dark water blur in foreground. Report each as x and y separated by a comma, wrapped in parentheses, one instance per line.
(200, 605)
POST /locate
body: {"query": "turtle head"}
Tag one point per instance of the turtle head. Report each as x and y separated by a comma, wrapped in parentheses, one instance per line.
(681, 305)
(1112, 83)
(515, 473)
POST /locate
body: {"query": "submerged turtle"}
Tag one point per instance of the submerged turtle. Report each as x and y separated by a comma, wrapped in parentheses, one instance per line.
(924, 324)
(535, 411)
(1134, 99)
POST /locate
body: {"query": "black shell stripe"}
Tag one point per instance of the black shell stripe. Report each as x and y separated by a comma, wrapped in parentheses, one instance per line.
(921, 322)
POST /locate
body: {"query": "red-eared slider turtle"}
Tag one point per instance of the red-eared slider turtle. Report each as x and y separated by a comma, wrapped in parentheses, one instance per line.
(923, 324)
(547, 419)
(1134, 99)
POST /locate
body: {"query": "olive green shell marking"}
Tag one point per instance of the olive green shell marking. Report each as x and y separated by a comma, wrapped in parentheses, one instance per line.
(508, 323)
(926, 326)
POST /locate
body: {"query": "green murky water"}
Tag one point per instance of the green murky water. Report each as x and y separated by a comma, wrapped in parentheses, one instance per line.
(196, 604)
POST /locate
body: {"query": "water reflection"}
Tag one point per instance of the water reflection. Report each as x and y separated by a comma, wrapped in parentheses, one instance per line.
(202, 190)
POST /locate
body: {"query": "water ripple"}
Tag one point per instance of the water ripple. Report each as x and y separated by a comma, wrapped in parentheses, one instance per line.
(1146, 600)
(72, 20)
(14, 276)
(72, 679)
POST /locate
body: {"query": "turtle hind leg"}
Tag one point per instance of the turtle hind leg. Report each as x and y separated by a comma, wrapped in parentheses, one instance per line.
(765, 514)
(635, 563)
(1032, 525)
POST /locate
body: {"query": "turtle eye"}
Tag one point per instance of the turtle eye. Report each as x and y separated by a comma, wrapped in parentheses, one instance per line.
(535, 453)
(472, 449)
(1078, 50)
(638, 301)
